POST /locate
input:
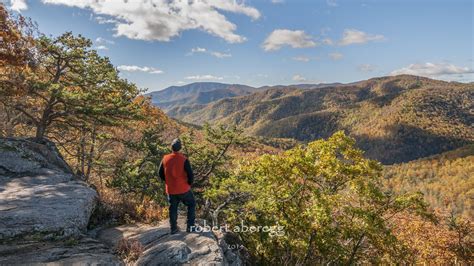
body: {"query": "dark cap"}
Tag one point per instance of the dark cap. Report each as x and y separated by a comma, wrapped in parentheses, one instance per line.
(176, 145)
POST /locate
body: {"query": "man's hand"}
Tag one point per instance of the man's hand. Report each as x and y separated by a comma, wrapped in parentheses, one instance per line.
(162, 171)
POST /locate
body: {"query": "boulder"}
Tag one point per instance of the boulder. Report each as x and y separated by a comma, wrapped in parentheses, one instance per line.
(20, 155)
(39, 194)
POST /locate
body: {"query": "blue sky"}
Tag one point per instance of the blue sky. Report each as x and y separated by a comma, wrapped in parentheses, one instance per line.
(159, 43)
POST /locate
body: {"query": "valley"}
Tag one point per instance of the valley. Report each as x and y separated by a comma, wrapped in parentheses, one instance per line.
(394, 119)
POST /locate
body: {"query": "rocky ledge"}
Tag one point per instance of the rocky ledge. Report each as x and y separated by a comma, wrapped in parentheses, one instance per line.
(158, 247)
(45, 210)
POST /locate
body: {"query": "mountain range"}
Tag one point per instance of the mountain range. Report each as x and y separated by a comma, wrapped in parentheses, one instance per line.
(198, 94)
(394, 119)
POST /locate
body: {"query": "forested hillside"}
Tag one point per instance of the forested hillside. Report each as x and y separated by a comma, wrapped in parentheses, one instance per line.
(395, 119)
(446, 180)
(194, 96)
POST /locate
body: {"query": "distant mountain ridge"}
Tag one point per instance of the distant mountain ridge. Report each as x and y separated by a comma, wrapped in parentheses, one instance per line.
(197, 93)
(201, 93)
(394, 119)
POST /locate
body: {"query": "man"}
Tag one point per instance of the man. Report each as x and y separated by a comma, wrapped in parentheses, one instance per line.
(177, 173)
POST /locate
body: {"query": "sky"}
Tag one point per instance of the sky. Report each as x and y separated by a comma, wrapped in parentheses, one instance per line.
(160, 43)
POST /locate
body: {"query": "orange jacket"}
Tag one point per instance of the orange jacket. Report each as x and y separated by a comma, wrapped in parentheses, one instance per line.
(176, 171)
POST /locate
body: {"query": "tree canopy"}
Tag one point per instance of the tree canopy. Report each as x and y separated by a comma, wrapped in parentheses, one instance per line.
(72, 85)
(328, 198)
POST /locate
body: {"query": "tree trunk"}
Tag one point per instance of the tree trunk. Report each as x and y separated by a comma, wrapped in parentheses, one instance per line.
(90, 156)
(9, 129)
(82, 154)
(40, 131)
(45, 120)
(355, 249)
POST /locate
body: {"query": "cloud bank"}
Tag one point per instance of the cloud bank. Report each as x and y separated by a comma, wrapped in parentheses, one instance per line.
(132, 68)
(433, 70)
(162, 20)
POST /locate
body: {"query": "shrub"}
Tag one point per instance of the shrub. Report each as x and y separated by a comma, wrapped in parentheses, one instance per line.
(129, 249)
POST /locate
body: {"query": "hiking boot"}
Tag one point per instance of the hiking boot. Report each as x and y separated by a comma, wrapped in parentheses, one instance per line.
(174, 231)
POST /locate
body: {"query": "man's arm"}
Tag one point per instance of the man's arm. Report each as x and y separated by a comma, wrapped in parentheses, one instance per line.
(162, 171)
(189, 171)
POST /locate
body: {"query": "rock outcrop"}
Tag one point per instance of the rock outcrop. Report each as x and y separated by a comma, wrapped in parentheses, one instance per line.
(161, 248)
(39, 194)
(45, 210)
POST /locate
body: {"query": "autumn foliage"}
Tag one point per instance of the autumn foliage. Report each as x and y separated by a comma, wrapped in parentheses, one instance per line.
(335, 205)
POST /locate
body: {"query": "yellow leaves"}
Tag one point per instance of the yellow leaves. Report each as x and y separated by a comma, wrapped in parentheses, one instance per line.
(445, 179)
(429, 243)
(325, 191)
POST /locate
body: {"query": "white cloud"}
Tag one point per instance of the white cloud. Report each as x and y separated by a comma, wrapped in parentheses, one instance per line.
(336, 56)
(18, 5)
(162, 20)
(146, 69)
(301, 58)
(205, 51)
(332, 3)
(102, 47)
(204, 77)
(198, 50)
(102, 43)
(366, 67)
(298, 77)
(433, 70)
(100, 40)
(283, 37)
(103, 20)
(353, 36)
(220, 55)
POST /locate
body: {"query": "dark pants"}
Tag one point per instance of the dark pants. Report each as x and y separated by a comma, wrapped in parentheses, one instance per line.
(188, 200)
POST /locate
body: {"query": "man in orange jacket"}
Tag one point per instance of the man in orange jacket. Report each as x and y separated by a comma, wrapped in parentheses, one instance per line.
(177, 173)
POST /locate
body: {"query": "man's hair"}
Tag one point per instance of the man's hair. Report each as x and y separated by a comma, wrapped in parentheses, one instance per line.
(176, 145)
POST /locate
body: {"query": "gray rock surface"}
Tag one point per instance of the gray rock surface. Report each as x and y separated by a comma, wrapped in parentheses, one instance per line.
(161, 248)
(38, 193)
(235, 253)
(85, 251)
(24, 155)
